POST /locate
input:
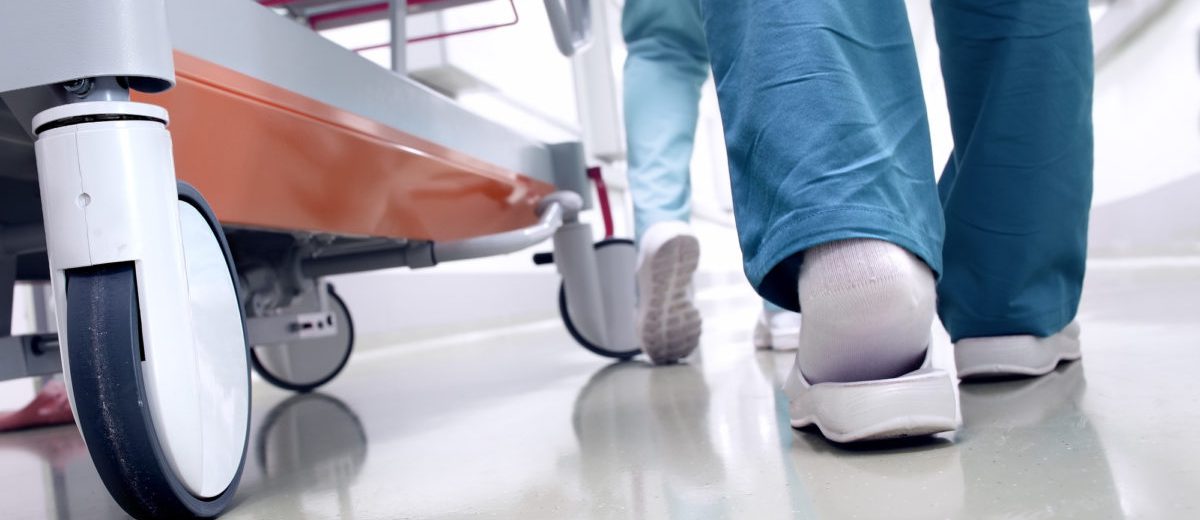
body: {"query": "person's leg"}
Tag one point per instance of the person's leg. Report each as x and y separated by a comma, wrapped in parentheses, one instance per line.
(837, 210)
(1017, 189)
(827, 132)
(828, 141)
(665, 68)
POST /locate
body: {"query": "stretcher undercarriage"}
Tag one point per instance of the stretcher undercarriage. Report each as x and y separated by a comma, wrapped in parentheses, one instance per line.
(187, 173)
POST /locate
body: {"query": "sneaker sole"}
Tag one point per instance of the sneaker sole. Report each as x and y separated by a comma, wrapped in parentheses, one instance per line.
(918, 404)
(981, 358)
(669, 323)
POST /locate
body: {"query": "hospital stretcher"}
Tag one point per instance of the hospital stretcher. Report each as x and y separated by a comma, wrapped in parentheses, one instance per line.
(187, 173)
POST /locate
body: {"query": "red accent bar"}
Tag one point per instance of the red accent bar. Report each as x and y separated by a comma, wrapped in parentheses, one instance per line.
(515, 20)
(318, 19)
(278, 3)
(593, 173)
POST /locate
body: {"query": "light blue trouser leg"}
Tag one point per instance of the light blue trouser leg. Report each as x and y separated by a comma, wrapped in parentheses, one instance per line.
(1016, 191)
(771, 307)
(827, 131)
(666, 66)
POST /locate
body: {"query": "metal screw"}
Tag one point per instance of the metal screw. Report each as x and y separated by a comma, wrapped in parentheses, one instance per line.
(80, 87)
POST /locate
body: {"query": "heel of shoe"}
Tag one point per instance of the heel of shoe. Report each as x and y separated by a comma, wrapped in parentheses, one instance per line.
(922, 403)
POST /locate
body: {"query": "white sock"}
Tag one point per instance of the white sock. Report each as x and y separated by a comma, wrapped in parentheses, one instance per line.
(866, 308)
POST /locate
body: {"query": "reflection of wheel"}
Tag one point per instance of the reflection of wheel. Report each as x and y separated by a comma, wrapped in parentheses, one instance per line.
(115, 408)
(617, 352)
(312, 437)
(602, 396)
(304, 365)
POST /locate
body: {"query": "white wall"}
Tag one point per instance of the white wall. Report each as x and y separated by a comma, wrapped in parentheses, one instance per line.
(1147, 113)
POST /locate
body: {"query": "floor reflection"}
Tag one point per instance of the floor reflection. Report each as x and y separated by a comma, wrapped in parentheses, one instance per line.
(644, 437)
(313, 442)
(313, 436)
(1030, 450)
(525, 425)
(72, 488)
(665, 442)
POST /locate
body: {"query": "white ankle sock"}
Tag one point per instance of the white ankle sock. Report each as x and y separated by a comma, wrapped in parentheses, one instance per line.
(866, 308)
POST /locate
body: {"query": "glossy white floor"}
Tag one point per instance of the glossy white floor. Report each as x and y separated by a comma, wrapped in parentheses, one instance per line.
(524, 424)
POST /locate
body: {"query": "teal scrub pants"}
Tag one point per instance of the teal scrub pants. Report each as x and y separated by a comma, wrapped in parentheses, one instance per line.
(665, 68)
(828, 140)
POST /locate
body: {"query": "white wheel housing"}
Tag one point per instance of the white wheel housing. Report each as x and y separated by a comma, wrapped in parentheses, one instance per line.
(219, 349)
(109, 196)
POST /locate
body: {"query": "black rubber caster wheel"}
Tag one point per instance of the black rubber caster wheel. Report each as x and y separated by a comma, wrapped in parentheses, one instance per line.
(303, 366)
(111, 390)
(623, 353)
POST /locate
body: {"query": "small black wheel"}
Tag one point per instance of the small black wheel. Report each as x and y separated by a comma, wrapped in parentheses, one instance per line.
(303, 366)
(112, 399)
(621, 353)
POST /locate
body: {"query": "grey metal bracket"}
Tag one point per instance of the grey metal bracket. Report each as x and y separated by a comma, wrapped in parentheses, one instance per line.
(306, 317)
(286, 328)
(53, 42)
(29, 356)
(555, 210)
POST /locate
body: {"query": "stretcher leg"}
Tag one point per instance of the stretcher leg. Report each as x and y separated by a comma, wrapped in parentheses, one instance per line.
(576, 260)
(152, 334)
(597, 300)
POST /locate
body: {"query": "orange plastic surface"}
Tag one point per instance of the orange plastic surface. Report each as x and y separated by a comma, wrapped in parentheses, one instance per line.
(266, 157)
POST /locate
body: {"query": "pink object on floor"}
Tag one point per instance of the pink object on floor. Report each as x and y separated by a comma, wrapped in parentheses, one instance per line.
(49, 407)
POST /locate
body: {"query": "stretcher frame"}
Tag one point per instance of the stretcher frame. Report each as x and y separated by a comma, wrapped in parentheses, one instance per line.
(314, 160)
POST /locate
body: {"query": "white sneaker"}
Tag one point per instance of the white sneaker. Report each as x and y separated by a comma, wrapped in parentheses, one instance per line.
(779, 330)
(1024, 355)
(668, 320)
(921, 402)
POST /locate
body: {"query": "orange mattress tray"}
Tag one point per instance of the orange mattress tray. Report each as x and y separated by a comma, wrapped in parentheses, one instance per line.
(269, 158)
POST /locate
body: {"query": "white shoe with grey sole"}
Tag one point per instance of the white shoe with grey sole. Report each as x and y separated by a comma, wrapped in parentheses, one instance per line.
(918, 403)
(668, 321)
(1024, 355)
